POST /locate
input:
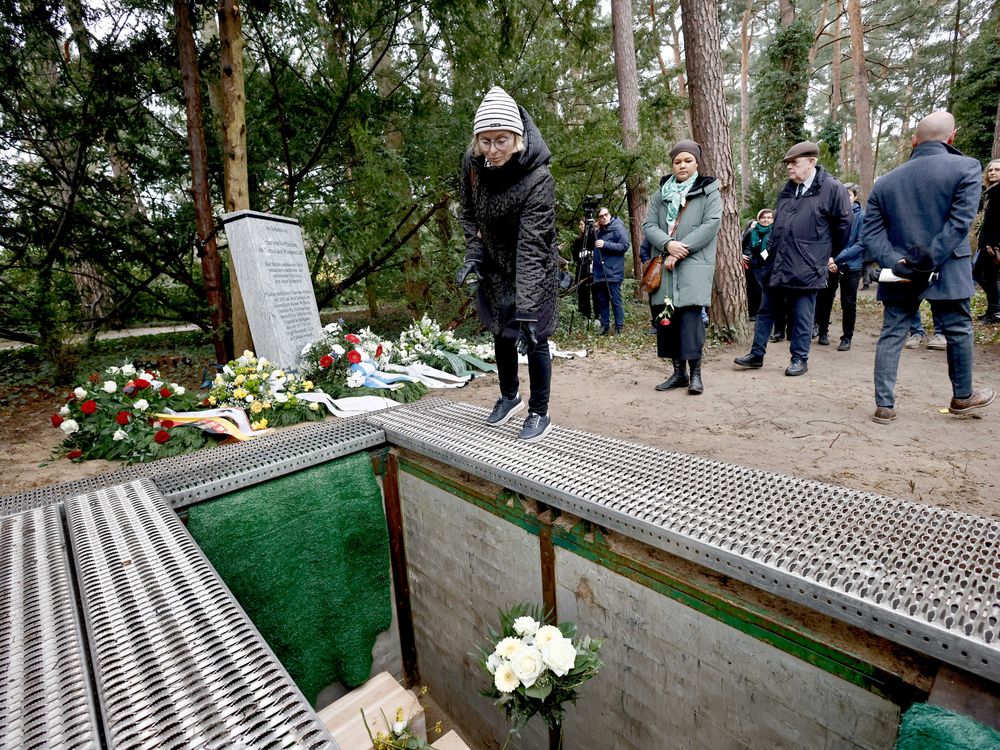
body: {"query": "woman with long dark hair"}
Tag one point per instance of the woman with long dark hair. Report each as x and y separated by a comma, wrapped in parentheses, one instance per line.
(987, 268)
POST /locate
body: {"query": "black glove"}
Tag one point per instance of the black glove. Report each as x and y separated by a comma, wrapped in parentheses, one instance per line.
(469, 267)
(528, 339)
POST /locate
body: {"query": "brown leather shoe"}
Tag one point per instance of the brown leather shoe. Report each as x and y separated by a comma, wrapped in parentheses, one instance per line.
(977, 400)
(884, 415)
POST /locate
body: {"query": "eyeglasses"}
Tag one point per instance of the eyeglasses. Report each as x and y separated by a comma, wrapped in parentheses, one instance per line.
(501, 142)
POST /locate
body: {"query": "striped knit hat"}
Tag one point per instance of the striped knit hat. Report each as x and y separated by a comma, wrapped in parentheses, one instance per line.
(498, 112)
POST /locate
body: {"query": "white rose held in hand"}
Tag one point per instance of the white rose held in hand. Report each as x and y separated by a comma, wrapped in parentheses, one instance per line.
(559, 656)
(505, 679)
(527, 664)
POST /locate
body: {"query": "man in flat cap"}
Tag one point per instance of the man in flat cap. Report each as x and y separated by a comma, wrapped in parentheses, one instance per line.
(812, 223)
(917, 226)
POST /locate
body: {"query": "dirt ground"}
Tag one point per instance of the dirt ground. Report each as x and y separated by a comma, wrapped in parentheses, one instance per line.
(816, 426)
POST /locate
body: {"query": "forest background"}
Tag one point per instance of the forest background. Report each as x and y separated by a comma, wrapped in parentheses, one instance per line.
(128, 127)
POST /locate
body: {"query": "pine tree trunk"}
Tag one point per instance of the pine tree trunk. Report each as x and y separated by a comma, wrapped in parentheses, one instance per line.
(863, 127)
(235, 188)
(211, 263)
(664, 70)
(746, 36)
(628, 113)
(836, 96)
(710, 125)
(786, 12)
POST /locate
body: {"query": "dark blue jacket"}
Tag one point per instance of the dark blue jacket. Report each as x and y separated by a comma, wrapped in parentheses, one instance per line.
(808, 231)
(609, 261)
(850, 256)
(928, 202)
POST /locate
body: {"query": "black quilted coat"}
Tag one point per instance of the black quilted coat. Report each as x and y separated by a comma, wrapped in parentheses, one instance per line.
(508, 217)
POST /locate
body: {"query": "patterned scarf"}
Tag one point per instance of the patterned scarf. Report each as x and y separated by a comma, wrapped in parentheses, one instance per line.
(759, 237)
(674, 195)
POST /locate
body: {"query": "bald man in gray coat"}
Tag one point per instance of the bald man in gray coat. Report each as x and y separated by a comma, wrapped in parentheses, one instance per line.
(917, 226)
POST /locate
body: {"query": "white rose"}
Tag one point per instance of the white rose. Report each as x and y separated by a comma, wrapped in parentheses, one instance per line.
(355, 379)
(79, 392)
(398, 727)
(280, 397)
(547, 634)
(527, 664)
(119, 435)
(526, 625)
(113, 370)
(505, 679)
(178, 389)
(249, 398)
(110, 386)
(314, 406)
(128, 370)
(63, 411)
(337, 350)
(142, 404)
(492, 662)
(559, 656)
(69, 426)
(507, 647)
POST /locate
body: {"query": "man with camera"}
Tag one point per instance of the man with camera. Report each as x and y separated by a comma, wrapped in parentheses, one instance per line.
(917, 226)
(610, 246)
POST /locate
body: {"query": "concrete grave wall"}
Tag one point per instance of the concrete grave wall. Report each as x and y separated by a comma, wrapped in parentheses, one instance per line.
(674, 677)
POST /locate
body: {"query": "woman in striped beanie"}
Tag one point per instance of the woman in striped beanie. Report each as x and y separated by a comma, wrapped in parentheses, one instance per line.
(508, 218)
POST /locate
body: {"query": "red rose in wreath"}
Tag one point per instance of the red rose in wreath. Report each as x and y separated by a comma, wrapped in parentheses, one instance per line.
(165, 392)
(140, 384)
(378, 350)
(352, 338)
(122, 417)
(326, 361)
(88, 407)
(56, 420)
(162, 436)
(354, 356)
(75, 453)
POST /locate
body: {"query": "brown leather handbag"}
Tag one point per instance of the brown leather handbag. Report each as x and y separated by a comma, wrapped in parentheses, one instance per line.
(652, 272)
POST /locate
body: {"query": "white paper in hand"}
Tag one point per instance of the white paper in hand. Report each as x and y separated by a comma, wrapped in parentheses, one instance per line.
(886, 274)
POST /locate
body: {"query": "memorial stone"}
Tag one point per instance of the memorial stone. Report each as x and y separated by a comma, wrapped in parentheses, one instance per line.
(270, 262)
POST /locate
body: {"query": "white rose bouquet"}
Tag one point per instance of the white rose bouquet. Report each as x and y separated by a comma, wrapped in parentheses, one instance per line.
(535, 668)
(426, 342)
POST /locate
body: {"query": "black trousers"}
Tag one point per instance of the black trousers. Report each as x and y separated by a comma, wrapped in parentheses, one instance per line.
(585, 297)
(684, 338)
(754, 290)
(987, 274)
(539, 371)
(847, 282)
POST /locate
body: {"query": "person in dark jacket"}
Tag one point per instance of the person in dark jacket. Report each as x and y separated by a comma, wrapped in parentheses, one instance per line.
(755, 254)
(609, 269)
(682, 222)
(917, 225)
(845, 275)
(508, 219)
(812, 222)
(987, 267)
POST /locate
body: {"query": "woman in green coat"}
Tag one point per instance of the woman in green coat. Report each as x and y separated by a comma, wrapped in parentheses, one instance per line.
(681, 224)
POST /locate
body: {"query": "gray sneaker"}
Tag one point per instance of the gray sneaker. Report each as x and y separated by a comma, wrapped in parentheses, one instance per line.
(504, 409)
(915, 340)
(536, 426)
(938, 342)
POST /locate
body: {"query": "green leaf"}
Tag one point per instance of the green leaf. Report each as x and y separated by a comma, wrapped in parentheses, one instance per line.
(539, 690)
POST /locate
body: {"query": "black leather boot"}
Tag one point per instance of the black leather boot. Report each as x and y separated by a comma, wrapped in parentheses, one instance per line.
(678, 380)
(695, 387)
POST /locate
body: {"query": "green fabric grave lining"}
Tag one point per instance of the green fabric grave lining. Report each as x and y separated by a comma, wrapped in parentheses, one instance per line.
(307, 557)
(926, 727)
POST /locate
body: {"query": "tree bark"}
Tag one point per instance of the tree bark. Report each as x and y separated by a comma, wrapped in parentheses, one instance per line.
(682, 89)
(664, 70)
(628, 114)
(211, 263)
(235, 188)
(746, 36)
(710, 125)
(836, 96)
(953, 65)
(862, 113)
(786, 12)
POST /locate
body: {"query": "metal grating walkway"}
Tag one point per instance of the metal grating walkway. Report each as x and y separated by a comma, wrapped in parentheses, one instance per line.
(185, 480)
(177, 662)
(45, 696)
(924, 577)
